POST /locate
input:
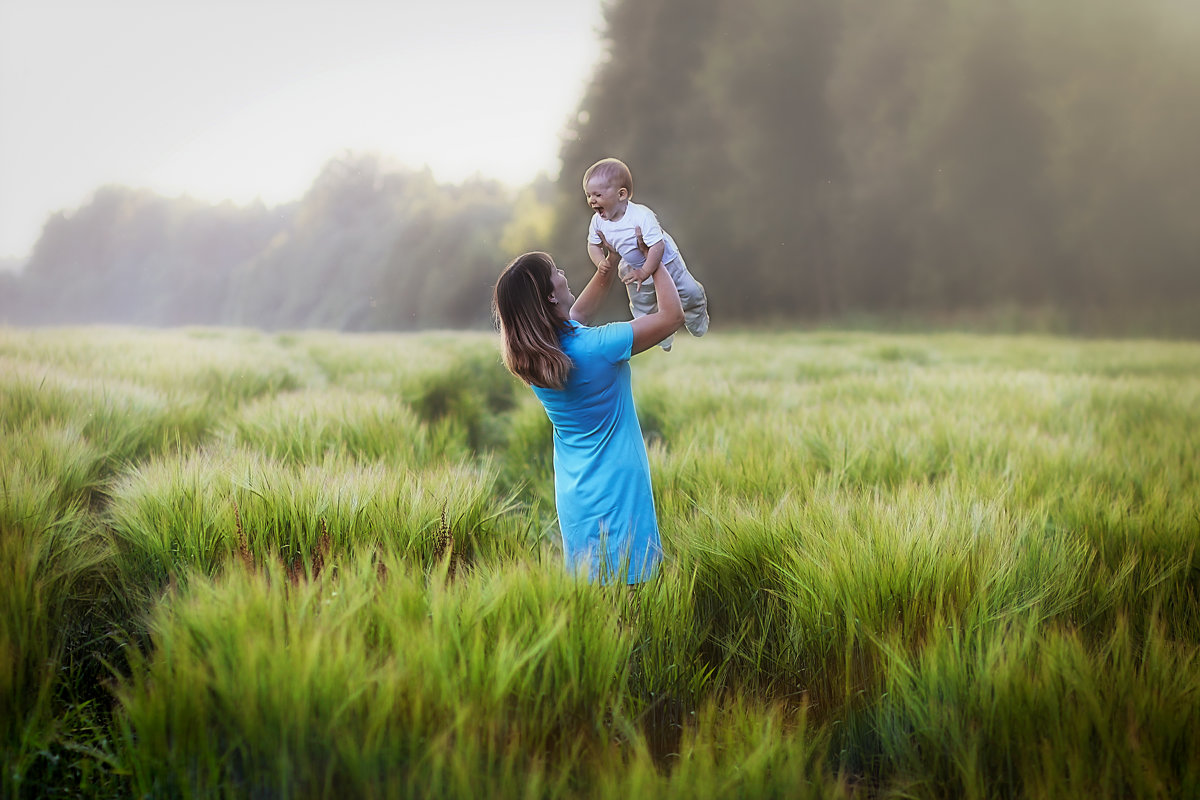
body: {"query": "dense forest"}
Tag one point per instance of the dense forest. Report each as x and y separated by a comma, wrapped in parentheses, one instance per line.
(813, 159)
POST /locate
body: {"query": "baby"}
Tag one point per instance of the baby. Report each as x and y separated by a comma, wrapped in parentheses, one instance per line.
(608, 185)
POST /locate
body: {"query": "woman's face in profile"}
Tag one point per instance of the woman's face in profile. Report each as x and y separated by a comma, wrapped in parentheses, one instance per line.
(562, 297)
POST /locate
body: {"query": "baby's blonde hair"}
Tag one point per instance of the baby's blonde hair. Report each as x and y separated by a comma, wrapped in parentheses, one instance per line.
(612, 170)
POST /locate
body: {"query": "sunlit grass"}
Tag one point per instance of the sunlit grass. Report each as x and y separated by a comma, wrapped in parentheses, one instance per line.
(220, 366)
(169, 518)
(326, 565)
(393, 681)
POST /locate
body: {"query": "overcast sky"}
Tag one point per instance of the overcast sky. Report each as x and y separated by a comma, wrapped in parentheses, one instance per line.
(248, 98)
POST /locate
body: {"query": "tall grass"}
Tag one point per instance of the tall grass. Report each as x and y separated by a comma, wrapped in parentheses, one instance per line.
(168, 518)
(54, 600)
(315, 565)
(310, 425)
(393, 682)
(1017, 711)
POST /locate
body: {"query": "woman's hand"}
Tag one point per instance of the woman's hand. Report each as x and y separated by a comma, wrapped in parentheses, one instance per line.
(636, 276)
(611, 258)
(641, 243)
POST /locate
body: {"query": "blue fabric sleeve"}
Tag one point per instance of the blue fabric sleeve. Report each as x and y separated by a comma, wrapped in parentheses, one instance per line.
(615, 341)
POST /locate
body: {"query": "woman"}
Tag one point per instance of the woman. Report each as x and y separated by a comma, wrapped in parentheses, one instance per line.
(581, 376)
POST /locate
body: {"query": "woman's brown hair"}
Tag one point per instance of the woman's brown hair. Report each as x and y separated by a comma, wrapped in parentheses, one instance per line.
(529, 326)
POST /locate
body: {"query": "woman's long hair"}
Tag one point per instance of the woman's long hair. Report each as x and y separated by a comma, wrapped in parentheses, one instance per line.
(529, 326)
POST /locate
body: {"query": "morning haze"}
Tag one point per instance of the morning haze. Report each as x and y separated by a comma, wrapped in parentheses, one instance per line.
(920, 158)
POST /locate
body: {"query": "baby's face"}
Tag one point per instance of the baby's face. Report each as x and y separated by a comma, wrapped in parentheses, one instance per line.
(606, 199)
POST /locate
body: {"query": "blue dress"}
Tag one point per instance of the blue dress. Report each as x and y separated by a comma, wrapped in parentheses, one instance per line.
(601, 473)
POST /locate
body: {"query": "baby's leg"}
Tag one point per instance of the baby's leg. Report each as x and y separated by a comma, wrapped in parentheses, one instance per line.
(691, 294)
(695, 307)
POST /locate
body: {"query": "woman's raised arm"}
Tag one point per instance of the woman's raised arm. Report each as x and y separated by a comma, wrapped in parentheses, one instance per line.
(589, 300)
(653, 328)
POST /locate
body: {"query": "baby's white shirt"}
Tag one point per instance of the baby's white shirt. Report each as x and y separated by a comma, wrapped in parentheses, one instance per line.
(622, 234)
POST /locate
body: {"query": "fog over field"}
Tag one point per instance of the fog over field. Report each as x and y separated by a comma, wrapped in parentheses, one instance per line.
(928, 160)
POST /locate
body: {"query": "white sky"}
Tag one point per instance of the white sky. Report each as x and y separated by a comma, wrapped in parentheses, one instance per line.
(248, 98)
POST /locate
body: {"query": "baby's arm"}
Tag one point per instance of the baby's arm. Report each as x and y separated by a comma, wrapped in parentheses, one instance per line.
(653, 260)
(597, 255)
(598, 252)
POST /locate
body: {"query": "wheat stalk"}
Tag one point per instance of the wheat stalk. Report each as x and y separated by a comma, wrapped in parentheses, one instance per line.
(243, 545)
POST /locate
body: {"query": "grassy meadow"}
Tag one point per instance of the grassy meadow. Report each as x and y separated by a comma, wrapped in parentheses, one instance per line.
(239, 564)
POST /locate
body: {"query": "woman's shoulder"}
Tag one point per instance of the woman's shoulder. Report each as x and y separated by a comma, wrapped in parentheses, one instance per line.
(612, 340)
(575, 327)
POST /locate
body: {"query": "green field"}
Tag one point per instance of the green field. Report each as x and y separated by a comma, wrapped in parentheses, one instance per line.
(237, 564)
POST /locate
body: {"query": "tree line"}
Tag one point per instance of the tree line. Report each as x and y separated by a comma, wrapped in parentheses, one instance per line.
(369, 247)
(814, 159)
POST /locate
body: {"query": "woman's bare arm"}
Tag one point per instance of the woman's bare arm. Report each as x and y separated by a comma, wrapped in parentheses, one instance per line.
(653, 328)
(590, 299)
